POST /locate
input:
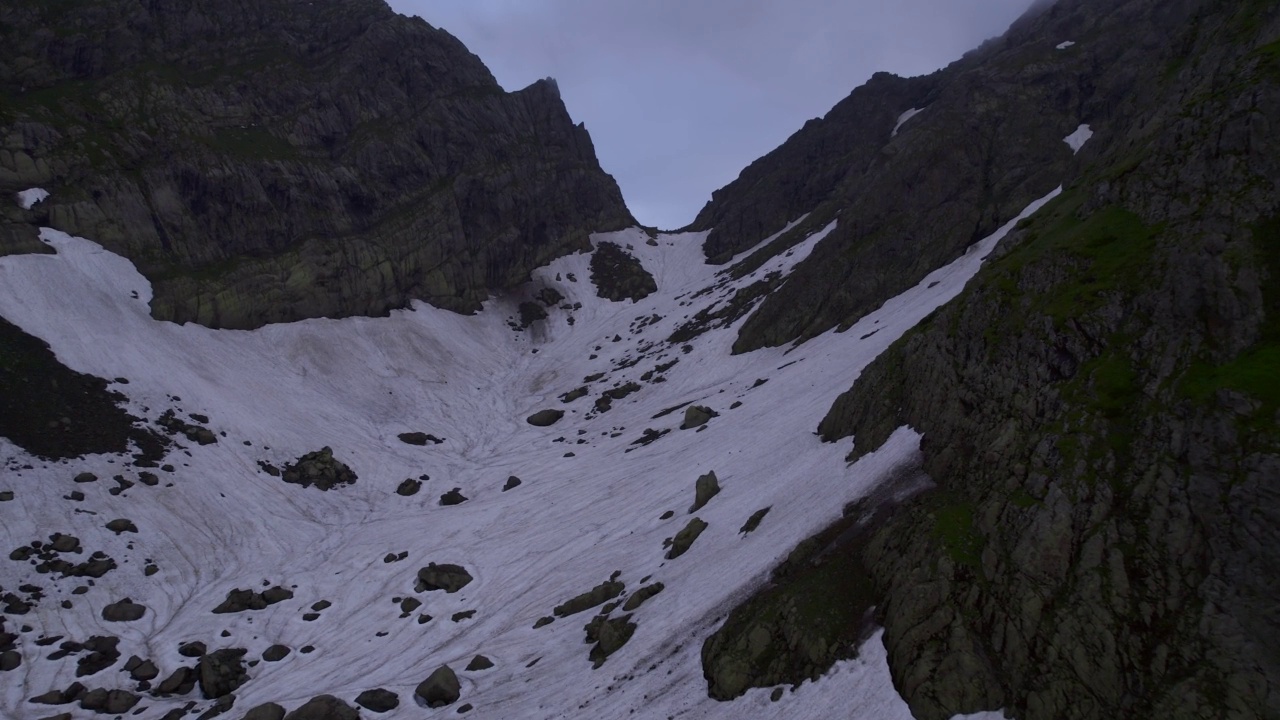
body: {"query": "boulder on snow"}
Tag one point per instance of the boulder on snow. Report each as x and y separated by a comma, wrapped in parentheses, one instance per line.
(441, 688)
(419, 438)
(265, 711)
(221, 672)
(479, 662)
(512, 483)
(453, 497)
(324, 707)
(409, 487)
(121, 525)
(697, 416)
(447, 577)
(706, 487)
(319, 469)
(684, 539)
(545, 418)
(378, 700)
(123, 611)
(609, 635)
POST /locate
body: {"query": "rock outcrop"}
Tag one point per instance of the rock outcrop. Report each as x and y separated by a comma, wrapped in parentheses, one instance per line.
(1098, 408)
(273, 161)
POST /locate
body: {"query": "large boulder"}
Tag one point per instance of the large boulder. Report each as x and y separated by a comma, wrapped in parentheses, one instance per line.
(697, 416)
(447, 577)
(324, 707)
(319, 469)
(597, 595)
(441, 688)
(545, 418)
(221, 672)
(706, 487)
(684, 539)
(378, 700)
(265, 711)
(125, 610)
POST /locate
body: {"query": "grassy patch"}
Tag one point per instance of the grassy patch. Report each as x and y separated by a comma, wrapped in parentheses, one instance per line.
(251, 142)
(1256, 371)
(953, 527)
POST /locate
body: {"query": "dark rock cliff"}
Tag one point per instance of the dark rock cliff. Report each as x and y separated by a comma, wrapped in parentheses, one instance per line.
(276, 160)
(1101, 407)
(988, 139)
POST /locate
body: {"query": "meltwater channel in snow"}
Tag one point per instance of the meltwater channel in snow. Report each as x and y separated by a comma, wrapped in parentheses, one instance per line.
(590, 503)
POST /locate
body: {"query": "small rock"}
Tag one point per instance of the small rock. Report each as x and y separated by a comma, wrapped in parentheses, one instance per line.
(121, 525)
(409, 487)
(86, 477)
(479, 662)
(275, 653)
(512, 483)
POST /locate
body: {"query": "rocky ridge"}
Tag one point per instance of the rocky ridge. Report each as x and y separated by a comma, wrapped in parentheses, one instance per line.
(1099, 407)
(273, 161)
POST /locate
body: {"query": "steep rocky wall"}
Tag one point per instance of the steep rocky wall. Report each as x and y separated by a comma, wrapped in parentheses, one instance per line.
(271, 161)
(1100, 411)
(988, 140)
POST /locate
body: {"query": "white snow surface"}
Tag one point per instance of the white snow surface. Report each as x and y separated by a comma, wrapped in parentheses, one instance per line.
(1077, 139)
(903, 118)
(27, 199)
(1065, 44)
(353, 385)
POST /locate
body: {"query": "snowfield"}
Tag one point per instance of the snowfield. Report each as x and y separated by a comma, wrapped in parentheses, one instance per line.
(589, 503)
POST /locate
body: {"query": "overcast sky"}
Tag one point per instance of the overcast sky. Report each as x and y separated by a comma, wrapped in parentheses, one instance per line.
(680, 95)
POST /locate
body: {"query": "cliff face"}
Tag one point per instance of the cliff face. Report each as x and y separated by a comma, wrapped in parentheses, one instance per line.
(271, 161)
(1099, 408)
(987, 139)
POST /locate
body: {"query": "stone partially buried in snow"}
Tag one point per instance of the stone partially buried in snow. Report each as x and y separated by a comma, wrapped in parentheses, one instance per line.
(324, 707)
(697, 416)
(684, 539)
(419, 438)
(319, 469)
(447, 577)
(123, 611)
(706, 487)
(266, 711)
(545, 418)
(441, 688)
(378, 700)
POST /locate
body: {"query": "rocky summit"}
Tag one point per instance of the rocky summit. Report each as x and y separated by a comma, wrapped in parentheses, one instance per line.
(964, 402)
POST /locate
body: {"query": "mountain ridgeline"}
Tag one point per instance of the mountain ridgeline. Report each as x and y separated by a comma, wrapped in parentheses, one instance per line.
(1100, 408)
(273, 161)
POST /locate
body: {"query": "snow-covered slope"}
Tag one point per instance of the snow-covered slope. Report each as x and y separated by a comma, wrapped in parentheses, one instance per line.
(590, 504)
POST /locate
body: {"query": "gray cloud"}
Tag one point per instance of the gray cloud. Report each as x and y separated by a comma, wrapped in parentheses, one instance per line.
(680, 95)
